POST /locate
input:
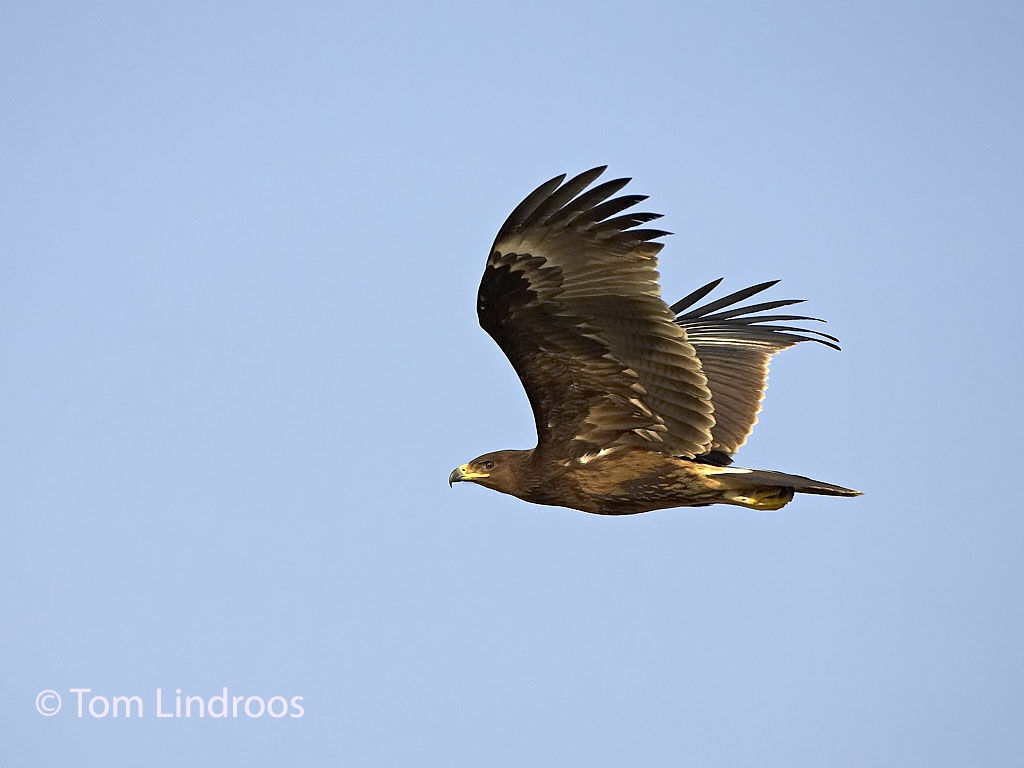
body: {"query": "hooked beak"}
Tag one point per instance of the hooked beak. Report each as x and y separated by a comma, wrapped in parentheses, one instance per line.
(458, 475)
(463, 472)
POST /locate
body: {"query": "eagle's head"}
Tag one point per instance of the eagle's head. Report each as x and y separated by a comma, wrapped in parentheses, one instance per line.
(504, 471)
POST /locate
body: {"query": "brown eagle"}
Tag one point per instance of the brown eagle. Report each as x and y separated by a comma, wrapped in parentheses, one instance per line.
(638, 405)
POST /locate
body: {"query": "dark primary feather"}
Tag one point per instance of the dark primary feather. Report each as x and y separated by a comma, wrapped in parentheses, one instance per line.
(734, 347)
(572, 298)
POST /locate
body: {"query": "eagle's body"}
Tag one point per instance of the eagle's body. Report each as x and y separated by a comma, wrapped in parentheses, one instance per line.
(638, 406)
(626, 480)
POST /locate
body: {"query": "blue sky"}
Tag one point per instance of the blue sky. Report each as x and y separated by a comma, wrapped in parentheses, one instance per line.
(241, 249)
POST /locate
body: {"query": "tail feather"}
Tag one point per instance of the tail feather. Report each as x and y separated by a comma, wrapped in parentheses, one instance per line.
(766, 489)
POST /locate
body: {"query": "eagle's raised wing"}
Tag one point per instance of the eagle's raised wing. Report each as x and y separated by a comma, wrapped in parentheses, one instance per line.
(570, 293)
(734, 345)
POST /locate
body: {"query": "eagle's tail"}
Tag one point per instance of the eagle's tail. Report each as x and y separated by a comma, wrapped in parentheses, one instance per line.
(765, 489)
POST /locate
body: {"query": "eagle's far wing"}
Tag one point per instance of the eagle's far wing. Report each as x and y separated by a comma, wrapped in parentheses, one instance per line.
(735, 345)
(570, 293)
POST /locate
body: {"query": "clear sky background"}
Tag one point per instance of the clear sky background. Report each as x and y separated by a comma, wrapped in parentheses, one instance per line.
(240, 249)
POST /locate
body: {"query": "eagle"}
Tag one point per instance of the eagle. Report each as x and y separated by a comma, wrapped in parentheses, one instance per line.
(638, 405)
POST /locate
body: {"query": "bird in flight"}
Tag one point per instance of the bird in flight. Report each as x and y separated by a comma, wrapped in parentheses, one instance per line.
(638, 405)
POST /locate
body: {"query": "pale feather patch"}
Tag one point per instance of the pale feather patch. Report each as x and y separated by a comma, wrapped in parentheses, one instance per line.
(640, 406)
(586, 458)
(650, 435)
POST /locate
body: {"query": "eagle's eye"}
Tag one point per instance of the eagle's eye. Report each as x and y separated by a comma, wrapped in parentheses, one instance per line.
(488, 465)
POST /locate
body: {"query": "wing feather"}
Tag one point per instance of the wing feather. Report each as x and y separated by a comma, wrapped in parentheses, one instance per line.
(735, 347)
(570, 293)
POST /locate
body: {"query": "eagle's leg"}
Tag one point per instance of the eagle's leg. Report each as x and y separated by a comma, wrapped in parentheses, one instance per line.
(771, 497)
